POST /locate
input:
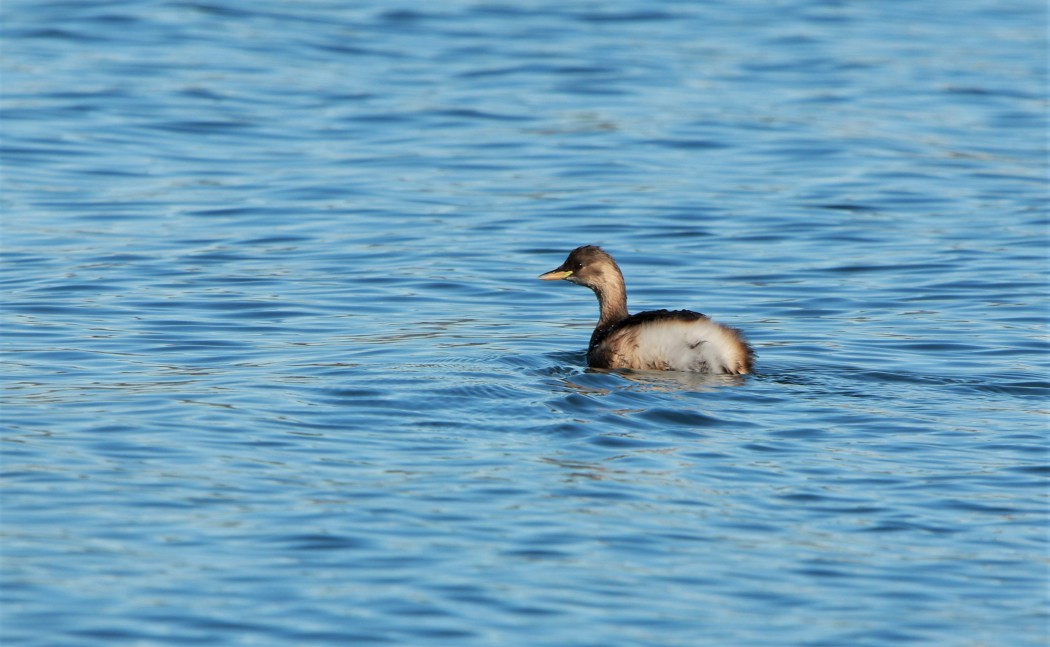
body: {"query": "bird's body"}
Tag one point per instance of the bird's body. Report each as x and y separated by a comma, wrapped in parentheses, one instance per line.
(665, 340)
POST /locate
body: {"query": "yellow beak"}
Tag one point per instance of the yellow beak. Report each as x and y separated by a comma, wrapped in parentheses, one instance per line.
(555, 275)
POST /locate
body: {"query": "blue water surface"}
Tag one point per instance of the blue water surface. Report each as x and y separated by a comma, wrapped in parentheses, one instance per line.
(278, 370)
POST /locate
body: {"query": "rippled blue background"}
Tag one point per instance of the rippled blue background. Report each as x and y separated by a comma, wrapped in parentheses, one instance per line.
(278, 370)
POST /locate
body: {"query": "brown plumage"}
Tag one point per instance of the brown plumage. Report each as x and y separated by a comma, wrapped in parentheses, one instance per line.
(664, 340)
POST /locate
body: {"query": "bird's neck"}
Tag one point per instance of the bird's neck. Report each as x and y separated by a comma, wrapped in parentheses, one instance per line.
(612, 306)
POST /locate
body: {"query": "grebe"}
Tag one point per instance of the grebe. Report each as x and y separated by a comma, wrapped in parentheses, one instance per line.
(663, 340)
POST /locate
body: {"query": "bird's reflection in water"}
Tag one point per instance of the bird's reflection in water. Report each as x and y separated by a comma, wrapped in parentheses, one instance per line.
(662, 381)
(575, 469)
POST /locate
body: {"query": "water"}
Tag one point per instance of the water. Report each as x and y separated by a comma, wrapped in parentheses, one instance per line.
(278, 369)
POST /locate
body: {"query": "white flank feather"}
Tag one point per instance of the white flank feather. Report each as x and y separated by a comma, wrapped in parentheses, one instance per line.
(701, 345)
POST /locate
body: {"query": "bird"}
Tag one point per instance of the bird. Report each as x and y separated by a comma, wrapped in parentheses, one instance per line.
(663, 340)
